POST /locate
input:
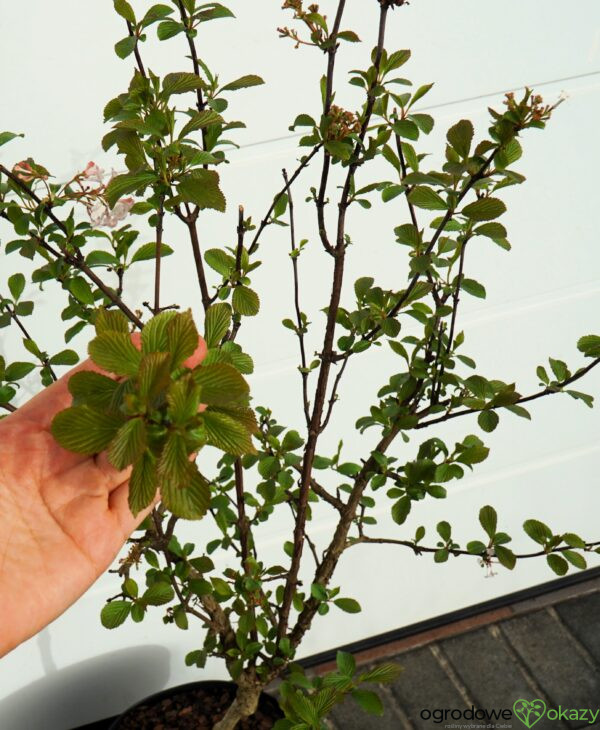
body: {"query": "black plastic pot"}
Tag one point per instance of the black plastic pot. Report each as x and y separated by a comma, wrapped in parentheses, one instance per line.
(267, 704)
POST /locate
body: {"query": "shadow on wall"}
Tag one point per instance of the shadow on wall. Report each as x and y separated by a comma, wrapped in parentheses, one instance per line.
(87, 691)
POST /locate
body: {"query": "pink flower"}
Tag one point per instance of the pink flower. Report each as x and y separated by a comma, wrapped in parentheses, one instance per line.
(24, 171)
(102, 215)
(93, 172)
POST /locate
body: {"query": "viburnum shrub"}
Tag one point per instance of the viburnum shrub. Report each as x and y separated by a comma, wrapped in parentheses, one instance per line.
(158, 415)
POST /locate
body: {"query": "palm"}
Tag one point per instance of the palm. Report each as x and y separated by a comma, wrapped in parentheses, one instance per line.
(65, 516)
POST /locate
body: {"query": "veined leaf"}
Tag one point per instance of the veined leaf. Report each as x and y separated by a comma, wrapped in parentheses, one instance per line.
(142, 483)
(485, 209)
(201, 187)
(147, 252)
(245, 301)
(189, 502)
(589, 345)
(93, 389)
(154, 334)
(182, 338)
(110, 320)
(128, 444)
(243, 83)
(221, 385)
(216, 323)
(174, 465)
(115, 352)
(220, 261)
(181, 82)
(226, 434)
(154, 375)
(129, 182)
(424, 197)
(460, 137)
(85, 431)
(184, 398)
(113, 614)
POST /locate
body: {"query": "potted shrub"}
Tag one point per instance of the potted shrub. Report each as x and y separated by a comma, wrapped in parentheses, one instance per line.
(154, 411)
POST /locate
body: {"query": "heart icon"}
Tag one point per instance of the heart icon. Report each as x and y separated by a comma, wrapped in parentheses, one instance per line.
(529, 712)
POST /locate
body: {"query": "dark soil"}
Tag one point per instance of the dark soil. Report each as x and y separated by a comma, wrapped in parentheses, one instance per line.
(195, 709)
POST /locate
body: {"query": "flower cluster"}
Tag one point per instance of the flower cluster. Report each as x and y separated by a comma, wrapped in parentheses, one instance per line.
(316, 23)
(98, 209)
(342, 123)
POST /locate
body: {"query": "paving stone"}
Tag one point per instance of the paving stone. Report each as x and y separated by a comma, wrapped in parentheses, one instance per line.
(489, 672)
(559, 669)
(424, 685)
(582, 616)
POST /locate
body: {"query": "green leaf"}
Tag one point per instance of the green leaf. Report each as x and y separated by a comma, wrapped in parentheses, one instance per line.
(181, 82)
(216, 323)
(558, 564)
(147, 252)
(190, 502)
(201, 187)
(65, 357)
(424, 197)
(126, 46)
(200, 120)
(368, 701)
(142, 483)
(113, 614)
(243, 82)
(488, 420)
(81, 290)
(155, 13)
(349, 605)
(17, 370)
(488, 519)
(491, 230)
(444, 530)
(154, 375)
(125, 10)
(474, 288)
(6, 137)
(589, 345)
(90, 388)
(346, 664)
(110, 320)
(168, 29)
(505, 556)
(460, 137)
(183, 398)
(24, 309)
(226, 434)
(575, 559)
(158, 594)
(485, 209)
(182, 338)
(129, 182)
(220, 261)
(83, 430)
(115, 352)
(154, 334)
(406, 128)
(401, 509)
(537, 531)
(128, 443)
(245, 301)
(339, 149)
(174, 466)
(221, 385)
(16, 284)
(476, 547)
(292, 441)
(101, 258)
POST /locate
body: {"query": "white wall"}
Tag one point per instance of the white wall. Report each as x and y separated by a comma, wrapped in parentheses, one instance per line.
(57, 69)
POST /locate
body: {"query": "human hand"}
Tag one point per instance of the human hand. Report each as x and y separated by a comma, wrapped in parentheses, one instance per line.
(63, 516)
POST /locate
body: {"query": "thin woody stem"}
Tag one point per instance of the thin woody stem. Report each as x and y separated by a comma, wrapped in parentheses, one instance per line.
(73, 260)
(15, 318)
(299, 324)
(157, 258)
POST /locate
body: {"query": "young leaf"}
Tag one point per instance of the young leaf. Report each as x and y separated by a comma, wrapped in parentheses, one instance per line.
(16, 285)
(142, 483)
(113, 614)
(488, 519)
(183, 398)
(85, 431)
(488, 420)
(158, 594)
(369, 701)
(243, 83)
(182, 338)
(129, 182)
(147, 252)
(65, 357)
(216, 323)
(485, 209)
(221, 385)
(245, 301)
(346, 663)
(154, 334)
(110, 320)
(180, 83)
(93, 389)
(190, 502)
(125, 10)
(220, 261)
(589, 345)
(154, 375)
(424, 197)
(460, 137)
(201, 187)
(349, 605)
(115, 352)
(558, 564)
(537, 531)
(128, 443)
(227, 434)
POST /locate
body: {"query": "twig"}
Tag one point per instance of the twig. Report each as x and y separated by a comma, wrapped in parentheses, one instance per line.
(157, 259)
(299, 323)
(15, 318)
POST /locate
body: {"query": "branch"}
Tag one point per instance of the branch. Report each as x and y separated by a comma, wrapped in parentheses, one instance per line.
(14, 316)
(75, 261)
(525, 399)
(190, 220)
(8, 407)
(299, 322)
(266, 220)
(418, 549)
(157, 259)
(136, 50)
